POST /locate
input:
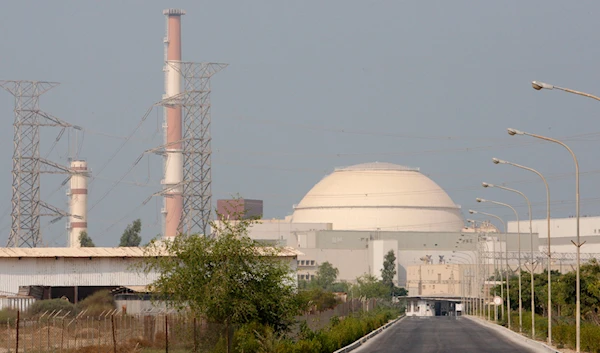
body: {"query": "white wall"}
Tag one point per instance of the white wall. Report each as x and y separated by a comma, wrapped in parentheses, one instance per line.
(378, 250)
(68, 272)
(562, 231)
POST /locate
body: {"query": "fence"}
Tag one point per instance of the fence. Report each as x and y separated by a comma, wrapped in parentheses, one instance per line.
(317, 320)
(15, 302)
(114, 332)
(109, 333)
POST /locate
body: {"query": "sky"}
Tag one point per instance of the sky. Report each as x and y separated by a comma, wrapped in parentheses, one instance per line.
(311, 86)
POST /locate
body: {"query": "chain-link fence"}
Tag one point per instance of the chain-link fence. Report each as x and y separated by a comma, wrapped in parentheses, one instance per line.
(114, 332)
(109, 333)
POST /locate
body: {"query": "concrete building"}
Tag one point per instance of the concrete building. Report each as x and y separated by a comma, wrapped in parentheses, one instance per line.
(379, 196)
(234, 209)
(562, 231)
(354, 216)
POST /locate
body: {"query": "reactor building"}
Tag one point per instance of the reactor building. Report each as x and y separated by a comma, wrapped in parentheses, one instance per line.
(354, 216)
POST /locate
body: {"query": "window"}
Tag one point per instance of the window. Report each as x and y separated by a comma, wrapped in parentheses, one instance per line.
(312, 276)
(312, 262)
(440, 277)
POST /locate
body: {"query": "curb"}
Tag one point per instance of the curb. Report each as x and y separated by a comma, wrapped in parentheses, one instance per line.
(360, 341)
(539, 346)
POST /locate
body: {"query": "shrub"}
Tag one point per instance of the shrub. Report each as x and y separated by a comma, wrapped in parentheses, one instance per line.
(8, 315)
(95, 304)
(49, 305)
(590, 341)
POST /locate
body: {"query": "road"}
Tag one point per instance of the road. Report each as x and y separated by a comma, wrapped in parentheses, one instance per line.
(438, 335)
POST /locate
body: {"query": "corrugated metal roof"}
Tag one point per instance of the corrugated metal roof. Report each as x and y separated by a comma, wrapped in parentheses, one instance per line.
(96, 252)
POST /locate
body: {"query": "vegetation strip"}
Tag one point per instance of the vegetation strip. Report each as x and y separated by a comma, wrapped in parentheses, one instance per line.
(367, 337)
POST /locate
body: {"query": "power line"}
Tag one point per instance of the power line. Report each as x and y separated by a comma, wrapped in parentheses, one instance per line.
(115, 183)
(116, 152)
(379, 133)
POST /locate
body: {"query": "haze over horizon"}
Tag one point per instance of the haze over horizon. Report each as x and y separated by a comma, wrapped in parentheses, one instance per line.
(312, 86)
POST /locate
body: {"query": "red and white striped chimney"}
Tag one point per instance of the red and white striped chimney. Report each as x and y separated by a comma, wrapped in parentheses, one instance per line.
(173, 169)
(78, 193)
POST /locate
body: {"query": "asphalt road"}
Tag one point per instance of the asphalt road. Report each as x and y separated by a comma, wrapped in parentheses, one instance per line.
(438, 335)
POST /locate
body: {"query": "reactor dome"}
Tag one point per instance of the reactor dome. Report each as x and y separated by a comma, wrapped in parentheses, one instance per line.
(379, 196)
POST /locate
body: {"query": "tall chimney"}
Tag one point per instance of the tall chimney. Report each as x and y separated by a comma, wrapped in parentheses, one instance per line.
(78, 193)
(173, 169)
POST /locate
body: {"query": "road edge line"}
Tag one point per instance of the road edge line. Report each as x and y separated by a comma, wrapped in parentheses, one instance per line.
(365, 338)
(514, 335)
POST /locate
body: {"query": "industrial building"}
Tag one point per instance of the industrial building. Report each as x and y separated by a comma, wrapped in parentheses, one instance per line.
(355, 215)
(75, 273)
(562, 231)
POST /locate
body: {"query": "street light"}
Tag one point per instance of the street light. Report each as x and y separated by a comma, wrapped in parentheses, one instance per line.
(541, 85)
(577, 244)
(472, 264)
(505, 263)
(499, 161)
(487, 185)
(506, 247)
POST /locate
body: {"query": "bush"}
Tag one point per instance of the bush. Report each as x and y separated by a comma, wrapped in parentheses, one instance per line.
(95, 304)
(8, 315)
(49, 305)
(256, 338)
(317, 298)
(590, 341)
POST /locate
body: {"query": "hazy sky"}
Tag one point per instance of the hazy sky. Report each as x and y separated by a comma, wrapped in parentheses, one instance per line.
(313, 85)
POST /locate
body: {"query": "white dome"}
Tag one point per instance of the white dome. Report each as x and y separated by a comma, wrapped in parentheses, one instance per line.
(381, 196)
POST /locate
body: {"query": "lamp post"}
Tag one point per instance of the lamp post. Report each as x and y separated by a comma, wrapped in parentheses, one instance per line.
(505, 263)
(541, 85)
(499, 161)
(487, 185)
(473, 259)
(506, 246)
(577, 244)
(495, 265)
(470, 263)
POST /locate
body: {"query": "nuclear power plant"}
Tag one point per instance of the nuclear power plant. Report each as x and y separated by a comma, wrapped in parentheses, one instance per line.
(351, 218)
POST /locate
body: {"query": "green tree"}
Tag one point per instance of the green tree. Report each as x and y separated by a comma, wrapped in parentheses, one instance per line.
(229, 278)
(85, 241)
(369, 287)
(131, 235)
(389, 270)
(326, 276)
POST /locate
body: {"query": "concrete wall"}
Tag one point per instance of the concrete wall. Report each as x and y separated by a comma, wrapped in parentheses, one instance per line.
(562, 231)
(379, 249)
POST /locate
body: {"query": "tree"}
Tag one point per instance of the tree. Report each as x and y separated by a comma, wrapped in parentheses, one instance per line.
(326, 275)
(131, 235)
(389, 270)
(85, 241)
(369, 287)
(229, 278)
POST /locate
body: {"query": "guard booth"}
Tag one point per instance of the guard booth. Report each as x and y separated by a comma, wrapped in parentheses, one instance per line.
(428, 306)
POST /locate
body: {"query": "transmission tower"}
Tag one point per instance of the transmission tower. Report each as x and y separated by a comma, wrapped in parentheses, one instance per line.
(196, 149)
(27, 165)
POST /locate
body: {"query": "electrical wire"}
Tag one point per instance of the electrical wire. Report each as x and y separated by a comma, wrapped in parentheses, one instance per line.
(56, 140)
(116, 182)
(376, 133)
(116, 152)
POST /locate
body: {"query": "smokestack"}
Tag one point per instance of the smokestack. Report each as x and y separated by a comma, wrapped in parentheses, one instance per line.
(173, 168)
(78, 202)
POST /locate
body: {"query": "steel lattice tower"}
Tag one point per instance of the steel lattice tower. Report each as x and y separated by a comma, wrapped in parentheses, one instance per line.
(196, 146)
(27, 164)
